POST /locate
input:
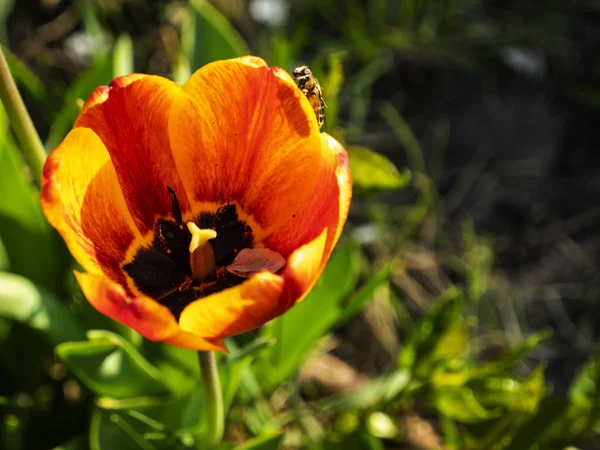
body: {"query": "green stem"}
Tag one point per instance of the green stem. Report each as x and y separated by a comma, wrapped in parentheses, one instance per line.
(29, 140)
(212, 395)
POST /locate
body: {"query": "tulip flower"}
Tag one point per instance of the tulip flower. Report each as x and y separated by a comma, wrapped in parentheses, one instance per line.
(198, 211)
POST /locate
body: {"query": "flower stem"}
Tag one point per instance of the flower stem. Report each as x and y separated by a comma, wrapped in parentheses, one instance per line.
(212, 395)
(31, 145)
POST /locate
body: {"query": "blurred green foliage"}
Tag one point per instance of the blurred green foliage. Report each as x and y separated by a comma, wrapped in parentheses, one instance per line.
(62, 359)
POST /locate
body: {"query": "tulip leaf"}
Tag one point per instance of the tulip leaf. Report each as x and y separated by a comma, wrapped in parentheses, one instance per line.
(178, 366)
(32, 247)
(298, 330)
(111, 367)
(373, 172)
(23, 301)
(208, 36)
(267, 441)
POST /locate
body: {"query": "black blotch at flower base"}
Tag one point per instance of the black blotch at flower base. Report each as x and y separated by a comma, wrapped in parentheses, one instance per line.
(163, 271)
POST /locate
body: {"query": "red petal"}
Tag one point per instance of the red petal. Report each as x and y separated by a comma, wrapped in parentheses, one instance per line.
(243, 133)
(144, 315)
(131, 118)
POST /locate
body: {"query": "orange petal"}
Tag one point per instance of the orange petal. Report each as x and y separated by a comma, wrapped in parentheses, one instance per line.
(327, 207)
(304, 266)
(243, 133)
(82, 199)
(131, 118)
(143, 314)
(235, 310)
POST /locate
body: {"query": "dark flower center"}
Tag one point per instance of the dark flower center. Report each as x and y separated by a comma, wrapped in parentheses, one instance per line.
(163, 271)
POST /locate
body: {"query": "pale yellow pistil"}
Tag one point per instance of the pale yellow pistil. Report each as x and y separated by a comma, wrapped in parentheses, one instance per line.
(202, 256)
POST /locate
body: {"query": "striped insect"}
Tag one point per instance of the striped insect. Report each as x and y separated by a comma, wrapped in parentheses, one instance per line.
(311, 88)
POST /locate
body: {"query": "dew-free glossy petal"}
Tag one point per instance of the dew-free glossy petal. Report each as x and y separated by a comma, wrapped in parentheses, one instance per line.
(234, 310)
(131, 118)
(243, 133)
(82, 199)
(143, 314)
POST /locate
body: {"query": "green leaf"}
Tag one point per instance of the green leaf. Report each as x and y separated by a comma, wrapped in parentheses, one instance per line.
(494, 390)
(331, 88)
(111, 430)
(123, 56)
(94, 32)
(585, 389)
(358, 440)
(364, 295)
(380, 390)
(372, 171)
(79, 443)
(405, 135)
(360, 89)
(4, 262)
(208, 36)
(11, 432)
(234, 366)
(110, 366)
(33, 248)
(23, 301)
(459, 403)
(298, 330)
(178, 366)
(6, 7)
(251, 349)
(506, 432)
(100, 74)
(511, 357)
(171, 422)
(268, 441)
(419, 351)
(155, 413)
(550, 412)
(231, 377)
(453, 344)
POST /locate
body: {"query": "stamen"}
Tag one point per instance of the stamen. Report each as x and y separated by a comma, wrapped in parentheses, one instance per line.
(175, 208)
(202, 256)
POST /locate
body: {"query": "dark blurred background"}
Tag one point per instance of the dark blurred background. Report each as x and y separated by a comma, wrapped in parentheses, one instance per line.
(494, 103)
